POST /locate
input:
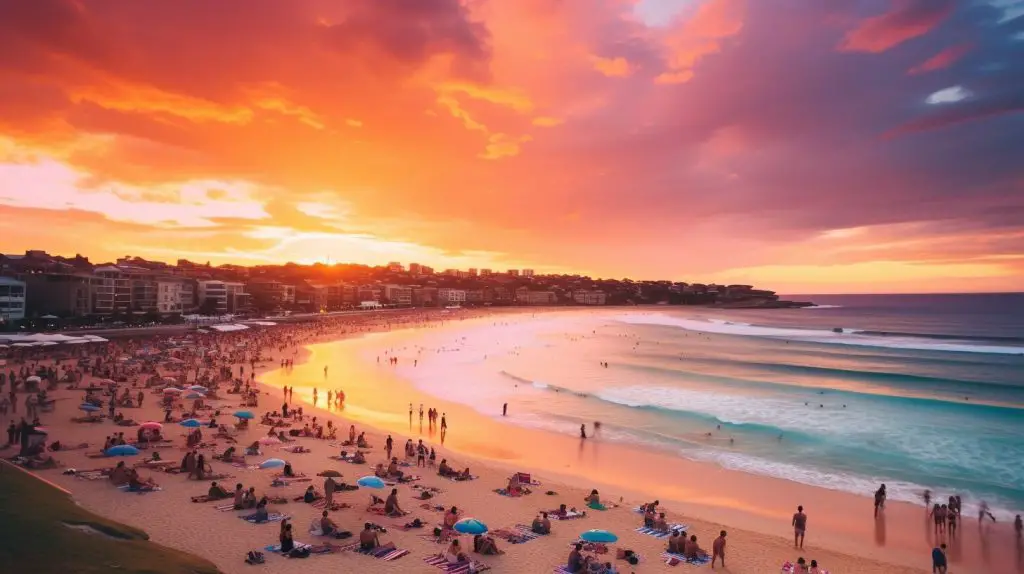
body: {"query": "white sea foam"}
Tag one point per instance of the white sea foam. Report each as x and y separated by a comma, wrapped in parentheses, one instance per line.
(822, 307)
(846, 337)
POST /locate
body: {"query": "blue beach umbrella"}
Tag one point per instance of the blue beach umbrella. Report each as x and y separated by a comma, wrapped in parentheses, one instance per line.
(88, 408)
(195, 396)
(199, 388)
(598, 536)
(191, 423)
(272, 463)
(371, 482)
(245, 415)
(470, 526)
(122, 450)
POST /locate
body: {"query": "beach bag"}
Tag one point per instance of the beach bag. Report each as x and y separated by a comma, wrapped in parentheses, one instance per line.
(254, 557)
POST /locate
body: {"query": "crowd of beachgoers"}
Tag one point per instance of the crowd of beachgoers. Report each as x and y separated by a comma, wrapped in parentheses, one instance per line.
(184, 418)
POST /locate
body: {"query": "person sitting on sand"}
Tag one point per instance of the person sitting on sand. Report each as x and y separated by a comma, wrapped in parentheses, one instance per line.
(216, 492)
(239, 496)
(253, 449)
(229, 454)
(393, 469)
(327, 526)
(368, 538)
(575, 563)
(660, 524)
(454, 553)
(138, 483)
(801, 566)
(359, 457)
(287, 472)
(309, 496)
(593, 500)
(249, 498)
(391, 507)
(649, 517)
(262, 514)
(450, 518)
(202, 468)
(676, 542)
(814, 568)
(361, 441)
(119, 475)
(514, 488)
(541, 524)
(692, 550)
(287, 542)
(444, 470)
(464, 475)
(485, 545)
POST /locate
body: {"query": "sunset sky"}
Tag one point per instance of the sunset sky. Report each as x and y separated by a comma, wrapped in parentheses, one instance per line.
(805, 146)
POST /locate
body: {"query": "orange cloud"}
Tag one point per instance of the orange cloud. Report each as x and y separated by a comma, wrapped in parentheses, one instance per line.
(942, 60)
(612, 67)
(908, 19)
(699, 36)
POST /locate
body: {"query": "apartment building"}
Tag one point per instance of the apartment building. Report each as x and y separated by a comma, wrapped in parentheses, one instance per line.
(368, 293)
(111, 291)
(446, 296)
(169, 296)
(398, 295)
(60, 294)
(527, 297)
(424, 296)
(527, 273)
(12, 299)
(584, 297)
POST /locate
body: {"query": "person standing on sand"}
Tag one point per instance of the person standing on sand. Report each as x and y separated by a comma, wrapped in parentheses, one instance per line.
(388, 445)
(583, 431)
(939, 559)
(410, 414)
(718, 549)
(879, 499)
(421, 414)
(504, 409)
(799, 527)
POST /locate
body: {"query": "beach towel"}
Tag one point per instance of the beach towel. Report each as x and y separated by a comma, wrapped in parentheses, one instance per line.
(322, 503)
(90, 475)
(126, 488)
(225, 507)
(276, 548)
(569, 515)
(441, 562)
(518, 534)
(659, 534)
(207, 498)
(272, 517)
(503, 492)
(682, 559)
(460, 479)
(245, 466)
(348, 459)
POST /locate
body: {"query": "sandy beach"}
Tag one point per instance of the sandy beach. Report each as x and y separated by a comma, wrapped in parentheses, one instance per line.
(754, 510)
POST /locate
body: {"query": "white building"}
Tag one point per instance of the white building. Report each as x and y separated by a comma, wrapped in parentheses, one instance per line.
(12, 299)
(583, 297)
(447, 296)
(169, 296)
(527, 273)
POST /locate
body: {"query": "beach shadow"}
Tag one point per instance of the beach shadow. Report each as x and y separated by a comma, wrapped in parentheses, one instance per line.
(880, 527)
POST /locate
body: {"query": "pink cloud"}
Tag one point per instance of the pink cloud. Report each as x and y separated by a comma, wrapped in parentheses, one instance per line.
(942, 60)
(908, 19)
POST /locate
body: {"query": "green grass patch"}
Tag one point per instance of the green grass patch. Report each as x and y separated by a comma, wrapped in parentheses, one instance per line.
(43, 530)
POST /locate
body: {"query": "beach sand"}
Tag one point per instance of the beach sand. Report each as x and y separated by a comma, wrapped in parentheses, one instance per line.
(754, 510)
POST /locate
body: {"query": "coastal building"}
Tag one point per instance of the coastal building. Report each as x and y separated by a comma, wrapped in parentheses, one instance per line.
(448, 296)
(475, 296)
(60, 294)
(268, 294)
(398, 295)
(513, 272)
(112, 293)
(527, 273)
(395, 267)
(213, 297)
(526, 297)
(472, 272)
(238, 298)
(486, 272)
(424, 296)
(368, 293)
(415, 269)
(12, 299)
(169, 296)
(583, 297)
(425, 270)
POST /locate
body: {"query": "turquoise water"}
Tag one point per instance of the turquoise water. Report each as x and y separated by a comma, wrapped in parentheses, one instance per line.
(900, 395)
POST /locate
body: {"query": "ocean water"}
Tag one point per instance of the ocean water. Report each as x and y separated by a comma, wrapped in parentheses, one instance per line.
(914, 391)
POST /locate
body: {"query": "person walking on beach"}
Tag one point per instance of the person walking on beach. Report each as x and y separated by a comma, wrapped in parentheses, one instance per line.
(799, 527)
(504, 409)
(421, 414)
(879, 499)
(444, 426)
(718, 549)
(583, 431)
(388, 445)
(410, 414)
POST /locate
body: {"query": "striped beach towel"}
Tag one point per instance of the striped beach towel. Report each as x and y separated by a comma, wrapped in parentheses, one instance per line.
(385, 554)
(272, 517)
(659, 534)
(518, 534)
(570, 515)
(683, 560)
(276, 548)
(441, 562)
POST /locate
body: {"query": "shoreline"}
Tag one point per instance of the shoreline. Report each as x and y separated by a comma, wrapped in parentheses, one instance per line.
(756, 543)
